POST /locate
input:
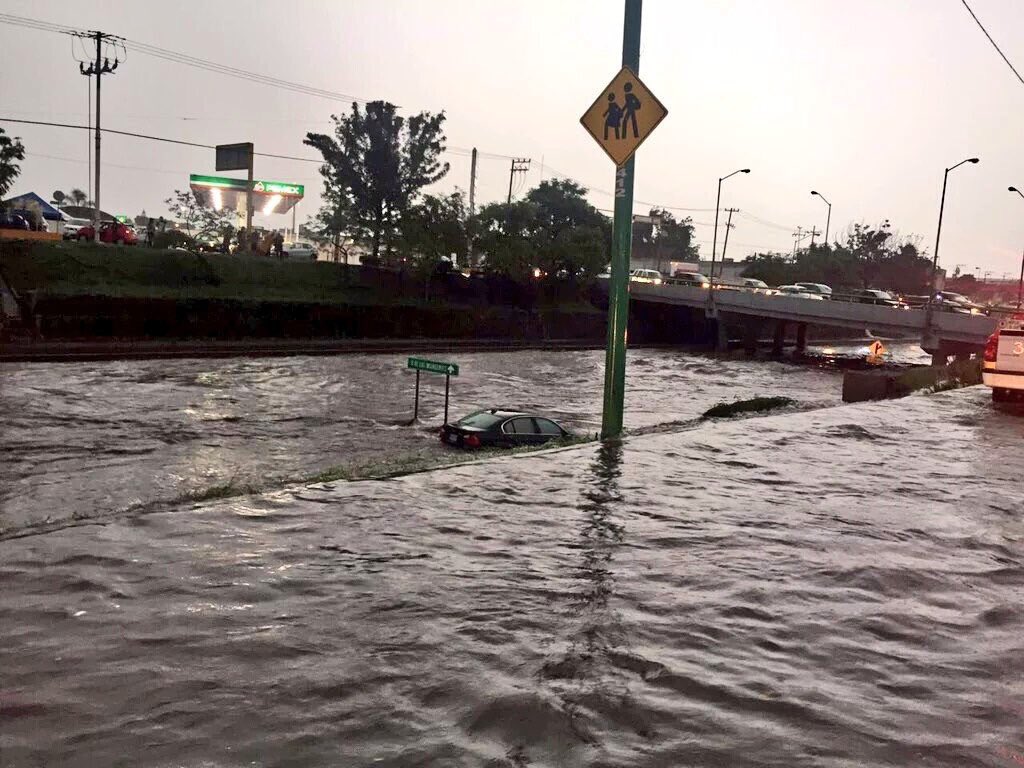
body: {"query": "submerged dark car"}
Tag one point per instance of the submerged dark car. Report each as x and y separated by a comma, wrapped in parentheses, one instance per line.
(500, 428)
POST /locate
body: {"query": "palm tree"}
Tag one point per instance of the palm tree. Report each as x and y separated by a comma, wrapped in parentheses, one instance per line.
(79, 196)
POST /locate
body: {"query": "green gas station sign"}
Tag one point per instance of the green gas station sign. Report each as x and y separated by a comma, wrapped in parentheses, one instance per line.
(258, 185)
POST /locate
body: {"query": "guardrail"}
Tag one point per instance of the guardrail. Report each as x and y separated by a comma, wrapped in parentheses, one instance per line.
(911, 302)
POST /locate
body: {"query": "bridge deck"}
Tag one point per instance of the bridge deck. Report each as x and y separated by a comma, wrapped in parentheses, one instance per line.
(946, 326)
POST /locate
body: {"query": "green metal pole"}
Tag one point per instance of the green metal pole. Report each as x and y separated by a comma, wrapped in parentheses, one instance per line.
(622, 240)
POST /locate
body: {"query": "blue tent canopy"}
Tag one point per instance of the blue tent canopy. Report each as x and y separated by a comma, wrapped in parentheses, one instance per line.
(21, 202)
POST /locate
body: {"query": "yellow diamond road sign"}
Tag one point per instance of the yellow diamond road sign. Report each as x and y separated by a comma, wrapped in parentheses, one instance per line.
(623, 116)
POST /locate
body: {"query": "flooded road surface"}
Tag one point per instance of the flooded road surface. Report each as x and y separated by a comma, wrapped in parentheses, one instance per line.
(835, 587)
(78, 440)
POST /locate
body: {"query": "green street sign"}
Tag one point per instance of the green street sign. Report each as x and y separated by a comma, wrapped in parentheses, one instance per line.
(433, 366)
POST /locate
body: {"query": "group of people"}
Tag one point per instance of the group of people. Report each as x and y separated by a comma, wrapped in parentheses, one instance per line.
(255, 241)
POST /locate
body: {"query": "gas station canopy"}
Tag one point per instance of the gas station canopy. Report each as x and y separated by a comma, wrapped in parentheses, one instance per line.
(223, 192)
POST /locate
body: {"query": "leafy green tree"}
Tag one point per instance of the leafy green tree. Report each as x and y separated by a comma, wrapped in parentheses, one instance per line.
(504, 233)
(571, 236)
(201, 222)
(434, 229)
(12, 151)
(376, 164)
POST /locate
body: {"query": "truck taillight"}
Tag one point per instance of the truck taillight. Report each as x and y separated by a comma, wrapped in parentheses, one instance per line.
(992, 348)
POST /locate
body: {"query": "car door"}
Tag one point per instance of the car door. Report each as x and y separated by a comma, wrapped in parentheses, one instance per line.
(548, 429)
(521, 431)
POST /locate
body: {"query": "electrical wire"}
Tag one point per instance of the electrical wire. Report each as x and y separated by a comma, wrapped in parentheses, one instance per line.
(994, 44)
(182, 58)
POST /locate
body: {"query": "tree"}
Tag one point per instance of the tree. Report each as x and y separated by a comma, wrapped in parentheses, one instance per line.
(434, 229)
(674, 240)
(79, 197)
(504, 232)
(572, 237)
(376, 164)
(12, 151)
(201, 222)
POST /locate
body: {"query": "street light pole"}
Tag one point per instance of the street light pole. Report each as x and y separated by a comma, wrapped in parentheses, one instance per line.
(938, 233)
(718, 204)
(828, 219)
(1020, 283)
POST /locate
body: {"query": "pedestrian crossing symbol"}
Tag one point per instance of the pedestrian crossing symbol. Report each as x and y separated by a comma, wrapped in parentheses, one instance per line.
(623, 116)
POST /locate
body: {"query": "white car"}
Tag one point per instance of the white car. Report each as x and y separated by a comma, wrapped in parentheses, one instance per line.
(1003, 363)
(72, 225)
(797, 292)
(756, 286)
(299, 252)
(645, 276)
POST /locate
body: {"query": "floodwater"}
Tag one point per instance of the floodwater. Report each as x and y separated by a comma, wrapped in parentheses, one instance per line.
(834, 586)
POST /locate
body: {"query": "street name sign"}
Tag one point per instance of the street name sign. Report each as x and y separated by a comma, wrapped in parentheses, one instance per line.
(433, 366)
(623, 116)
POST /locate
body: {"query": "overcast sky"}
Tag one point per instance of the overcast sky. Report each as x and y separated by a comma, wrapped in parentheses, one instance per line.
(866, 101)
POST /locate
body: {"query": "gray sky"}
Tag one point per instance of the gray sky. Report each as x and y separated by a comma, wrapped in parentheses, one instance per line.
(866, 101)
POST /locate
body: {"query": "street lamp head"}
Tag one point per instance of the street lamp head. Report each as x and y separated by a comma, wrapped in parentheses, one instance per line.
(814, 192)
(972, 160)
(744, 170)
(1012, 189)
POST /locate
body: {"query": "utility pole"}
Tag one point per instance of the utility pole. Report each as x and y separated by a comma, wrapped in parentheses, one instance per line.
(472, 208)
(622, 243)
(797, 237)
(725, 245)
(814, 234)
(101, 66)
(519, 165)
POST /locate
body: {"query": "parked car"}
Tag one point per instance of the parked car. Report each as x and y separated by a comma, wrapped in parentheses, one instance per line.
(819, 288)
(798, 292)
(1003, 361)
(299, 252)
(110, 232)
(10, 220)
(73, 226)
(499, 427)
(691, 278)
(645, 276)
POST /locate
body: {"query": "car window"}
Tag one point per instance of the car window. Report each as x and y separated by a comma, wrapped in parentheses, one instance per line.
(547, 427)
(480, 420)
(524, 426)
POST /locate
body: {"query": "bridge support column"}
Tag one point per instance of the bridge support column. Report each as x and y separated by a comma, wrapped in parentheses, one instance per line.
(750, 334)
(939, 357)
(801, 338)
(779, 339)
(721, 335)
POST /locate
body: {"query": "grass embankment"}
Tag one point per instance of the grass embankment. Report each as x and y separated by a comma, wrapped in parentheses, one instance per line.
(86, 269)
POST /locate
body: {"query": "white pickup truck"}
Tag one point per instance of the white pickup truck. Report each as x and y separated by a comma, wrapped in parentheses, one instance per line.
(1003, 365)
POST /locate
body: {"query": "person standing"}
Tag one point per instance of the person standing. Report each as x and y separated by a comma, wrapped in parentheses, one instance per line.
(150, 232)
(629, 111)
(243, 240)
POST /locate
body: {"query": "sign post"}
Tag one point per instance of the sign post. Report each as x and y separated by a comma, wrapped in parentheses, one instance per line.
(238, 157)
(619, 120)
(432, 366)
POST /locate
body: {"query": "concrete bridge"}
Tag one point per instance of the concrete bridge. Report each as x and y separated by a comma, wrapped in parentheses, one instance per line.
(944, 334)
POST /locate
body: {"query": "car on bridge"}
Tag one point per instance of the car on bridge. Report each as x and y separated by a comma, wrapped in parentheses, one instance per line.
(881, 298)
(695, 279)
(818, 288)
(1003, 361)
(797, 292)
(646, 276)
(501, 428)
(756, 286)
(957, 302)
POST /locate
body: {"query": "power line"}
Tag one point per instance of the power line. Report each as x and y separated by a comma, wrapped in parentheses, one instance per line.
(994, 44)
(188, 60)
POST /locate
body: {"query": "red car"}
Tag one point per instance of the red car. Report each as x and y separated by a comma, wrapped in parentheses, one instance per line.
(110, 232)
